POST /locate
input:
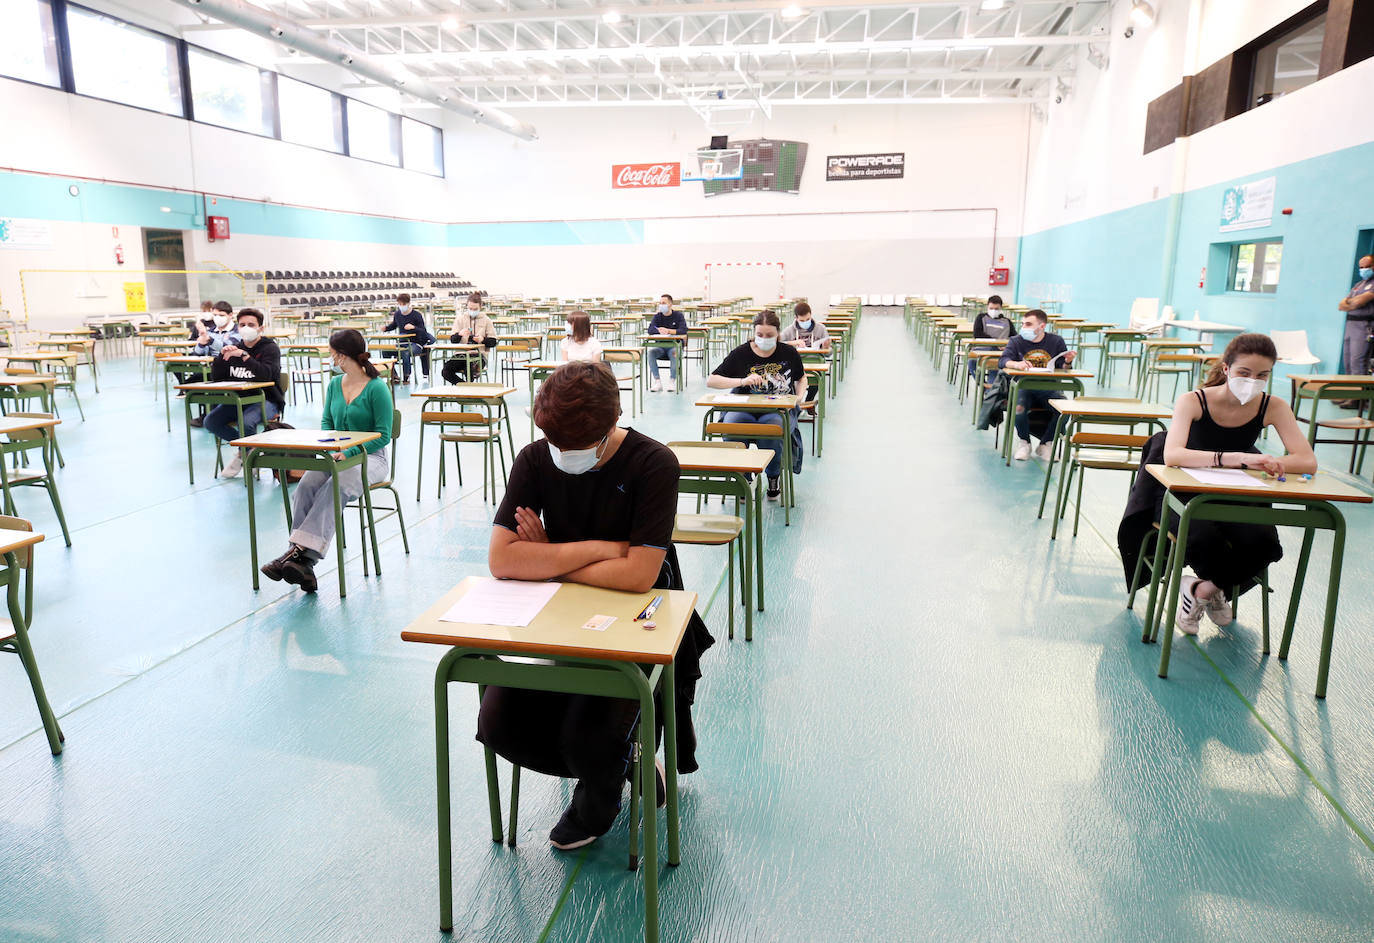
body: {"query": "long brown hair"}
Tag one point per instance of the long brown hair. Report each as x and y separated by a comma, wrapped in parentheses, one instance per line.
(581, 326)
(348, 342)
(1260, 344)
(768, 316)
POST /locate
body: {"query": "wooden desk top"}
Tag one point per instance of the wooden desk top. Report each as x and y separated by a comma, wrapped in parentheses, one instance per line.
(1123, 331)
(1323, 379)
(12, 540)
(461, 391)
(1322, 486)
(705, 458)
(38, 356)
(1169, 342)
(984, 341)
(816, 367)
(306, 440)
(447, 345)
(1079, 374)
(663, 337)
(754, 400)
(225, 386)
(8, 425)
(182, 360)
(29, 379)
(1123, 408)
(1205, 327)
(557, 630)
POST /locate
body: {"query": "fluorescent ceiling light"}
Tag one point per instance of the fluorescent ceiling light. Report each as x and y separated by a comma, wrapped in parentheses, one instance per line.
(611, 16)
(991, 5)
(1142, 14)
(450, 22)
(165, 209)
(791, 11)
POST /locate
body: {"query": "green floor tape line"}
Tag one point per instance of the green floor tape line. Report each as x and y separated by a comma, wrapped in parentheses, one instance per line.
(563, 897)
(1254, 711)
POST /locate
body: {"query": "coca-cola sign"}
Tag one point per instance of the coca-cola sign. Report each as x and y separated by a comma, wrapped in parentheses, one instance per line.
(626, 176)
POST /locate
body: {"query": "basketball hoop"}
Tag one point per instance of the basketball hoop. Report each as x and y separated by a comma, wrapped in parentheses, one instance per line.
(710, 169)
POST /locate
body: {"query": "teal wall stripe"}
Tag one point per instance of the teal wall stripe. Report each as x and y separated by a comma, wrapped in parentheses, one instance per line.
(1110, 259)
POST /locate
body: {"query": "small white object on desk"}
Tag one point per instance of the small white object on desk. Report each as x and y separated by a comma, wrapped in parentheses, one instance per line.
(501, 602)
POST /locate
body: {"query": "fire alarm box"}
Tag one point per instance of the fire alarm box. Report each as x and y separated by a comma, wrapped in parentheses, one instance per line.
(217, 227)
(999, 276)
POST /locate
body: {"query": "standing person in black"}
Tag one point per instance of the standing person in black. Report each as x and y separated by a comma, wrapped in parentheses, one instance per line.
(253, 357)
(414, 339)
(1035, 347)
(764, 366)
(608, 498)
(1217, 427)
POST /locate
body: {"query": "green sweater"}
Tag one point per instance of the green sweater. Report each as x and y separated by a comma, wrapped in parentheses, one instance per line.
(369, 412)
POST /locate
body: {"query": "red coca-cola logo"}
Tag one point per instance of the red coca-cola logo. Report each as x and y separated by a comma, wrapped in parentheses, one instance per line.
(624, 176)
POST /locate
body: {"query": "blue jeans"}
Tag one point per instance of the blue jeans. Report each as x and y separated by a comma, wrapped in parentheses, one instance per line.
(407, 351)
(220, 420)
(663, 353)
(1026, 400)
(774, 468)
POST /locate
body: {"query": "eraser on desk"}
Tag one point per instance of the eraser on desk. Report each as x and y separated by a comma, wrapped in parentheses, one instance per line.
(650, 625)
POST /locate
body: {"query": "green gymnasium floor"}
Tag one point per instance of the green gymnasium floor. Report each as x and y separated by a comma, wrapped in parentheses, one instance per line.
(946, 727)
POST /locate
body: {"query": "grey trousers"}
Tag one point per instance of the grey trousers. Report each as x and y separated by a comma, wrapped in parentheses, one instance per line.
(312, 508)
(1355, 347)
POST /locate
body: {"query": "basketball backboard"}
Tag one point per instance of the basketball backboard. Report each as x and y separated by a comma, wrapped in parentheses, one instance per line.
(708, 164)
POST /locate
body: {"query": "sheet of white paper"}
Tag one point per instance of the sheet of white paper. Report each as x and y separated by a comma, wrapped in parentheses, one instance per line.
(501, 602)
(1230, 477)
(730, 398)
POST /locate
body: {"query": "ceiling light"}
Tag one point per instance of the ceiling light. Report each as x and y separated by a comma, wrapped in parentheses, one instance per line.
(165, 209)
(450, 22)
(611, 16)
(990, 5)
(791, 11)
(1142, 14)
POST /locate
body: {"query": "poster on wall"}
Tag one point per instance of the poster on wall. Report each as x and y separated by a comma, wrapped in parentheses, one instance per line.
(1248, 206)
(25, 233)
(865, 166)
(632, 176)
(135, 298)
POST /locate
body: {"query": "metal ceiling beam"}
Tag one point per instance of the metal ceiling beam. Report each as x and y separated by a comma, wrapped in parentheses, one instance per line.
(278, 28)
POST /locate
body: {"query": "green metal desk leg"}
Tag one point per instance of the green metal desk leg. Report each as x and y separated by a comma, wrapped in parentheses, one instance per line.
(669, 688)
(190, 463)
(25, 650)
(1010, 422)
(248, 463)
(51, 483)
(1049, 473)
(371, 522)
(442, 791)
(1175, 579)
(338, 526)
(1298, 577)
(758, 537)
(166, 399)
(747, 563)
(1161, 542)
(1333, 588)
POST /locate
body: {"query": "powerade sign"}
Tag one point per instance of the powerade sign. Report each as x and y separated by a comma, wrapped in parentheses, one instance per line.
(865, 166)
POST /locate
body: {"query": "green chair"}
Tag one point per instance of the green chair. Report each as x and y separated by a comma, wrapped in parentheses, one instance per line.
(23, 441)
(14, 631)
(389, 484)
(473, 427)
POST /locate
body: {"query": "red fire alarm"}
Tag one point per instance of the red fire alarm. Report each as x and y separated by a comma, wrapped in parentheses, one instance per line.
(217, 227)
(999, 276)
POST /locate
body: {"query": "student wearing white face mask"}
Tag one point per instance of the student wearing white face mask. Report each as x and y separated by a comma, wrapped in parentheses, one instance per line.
(1217, 427)
(665, 321)
(589, 503)
(763, 366)
(251, 357)
(806, 333)
(414, 339)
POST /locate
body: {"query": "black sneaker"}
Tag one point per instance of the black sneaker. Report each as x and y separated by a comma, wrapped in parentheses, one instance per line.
(569, 833)
(774, 487)
(197, 422)
(299, 570)
(273, 569)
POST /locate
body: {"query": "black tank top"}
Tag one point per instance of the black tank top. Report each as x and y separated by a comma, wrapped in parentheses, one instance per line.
(1206, 435)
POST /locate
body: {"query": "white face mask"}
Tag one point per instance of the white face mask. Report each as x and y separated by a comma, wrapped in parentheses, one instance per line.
(766, 344)
(248, 333)
(473, 311)
(804, 325)
(994, 312)
(664, 309)
(404, 309)
(221, 321)
(1244, 388)
(576, 461)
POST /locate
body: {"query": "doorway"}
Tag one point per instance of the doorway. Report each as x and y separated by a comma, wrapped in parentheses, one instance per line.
(165, 250)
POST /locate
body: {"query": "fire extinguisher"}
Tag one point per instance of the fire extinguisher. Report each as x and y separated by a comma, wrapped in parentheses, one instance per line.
(1202, 279)
(119, 255)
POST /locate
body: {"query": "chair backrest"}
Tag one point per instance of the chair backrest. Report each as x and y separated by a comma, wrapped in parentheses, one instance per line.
(1144, 311)
(1290, 345)
(710, 444)
(24, 556)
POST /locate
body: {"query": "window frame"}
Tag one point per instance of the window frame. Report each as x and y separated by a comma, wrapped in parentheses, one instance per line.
(338, 102)
(267, 89)
(395, 121)
(59, 32)
(66, 53)
(438, 131)
(1261, 247)
(1250, 51)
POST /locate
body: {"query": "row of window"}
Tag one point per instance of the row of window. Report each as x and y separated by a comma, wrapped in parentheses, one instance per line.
(114, 60)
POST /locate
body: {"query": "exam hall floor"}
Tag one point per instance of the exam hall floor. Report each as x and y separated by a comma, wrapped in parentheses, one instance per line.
(946, 727)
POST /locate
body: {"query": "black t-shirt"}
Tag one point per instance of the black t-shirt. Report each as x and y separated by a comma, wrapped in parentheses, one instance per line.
(632, 497)
(780, 370)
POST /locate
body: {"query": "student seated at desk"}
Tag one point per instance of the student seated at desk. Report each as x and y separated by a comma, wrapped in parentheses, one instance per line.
(608, 499)
(409, 324)
(471, 326)
(665, 321)
(992, 324)
(1217, 427)
(252, 357)
(806, 333)
(579, 344)
(357, 400)
(1034, 347)
(764, 366)
(211, 334)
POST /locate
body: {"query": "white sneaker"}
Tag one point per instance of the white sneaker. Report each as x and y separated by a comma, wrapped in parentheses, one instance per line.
(1044, 450)
(1189, 608)
(234, 467)
(1022, 450)
(655, 386)
(1219, 609)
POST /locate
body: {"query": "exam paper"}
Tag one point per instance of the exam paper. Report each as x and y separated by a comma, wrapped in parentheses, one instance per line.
(501, 602)
(730, 398)
(1230, 477)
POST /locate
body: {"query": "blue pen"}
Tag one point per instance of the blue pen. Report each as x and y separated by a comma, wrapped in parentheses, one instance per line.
(338, 438)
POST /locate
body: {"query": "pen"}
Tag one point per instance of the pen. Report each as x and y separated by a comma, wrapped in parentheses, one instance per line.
(337, 438)
(649, 609)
